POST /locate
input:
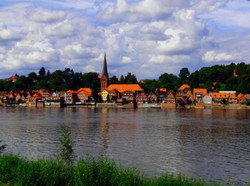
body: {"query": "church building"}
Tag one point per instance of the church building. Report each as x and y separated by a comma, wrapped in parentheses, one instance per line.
(104, 80)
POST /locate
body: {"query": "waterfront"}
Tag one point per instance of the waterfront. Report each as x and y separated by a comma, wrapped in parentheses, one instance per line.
(200, 143)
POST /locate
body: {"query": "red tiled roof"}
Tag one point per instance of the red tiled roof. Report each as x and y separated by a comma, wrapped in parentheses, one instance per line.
(219, 95)
(184, 87)
(71, 91)
(200, 90)
(240, 95)
(125, 87)
(86, 91)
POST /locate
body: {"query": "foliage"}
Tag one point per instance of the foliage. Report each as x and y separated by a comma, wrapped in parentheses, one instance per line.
(246, 103)
(183, 75)
(87, 171)
(65, 150)
(214, 78)
(60, 80)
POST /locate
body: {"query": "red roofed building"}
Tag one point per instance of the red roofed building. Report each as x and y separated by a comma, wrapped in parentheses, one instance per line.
(12, 78)
(219, 98)
(84, 95)
(240, 98)
(183, 96)
(198, 94)
(120, 92)
(170, 100)
(70, 96)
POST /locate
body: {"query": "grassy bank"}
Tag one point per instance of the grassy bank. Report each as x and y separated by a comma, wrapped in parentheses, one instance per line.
(88, 171)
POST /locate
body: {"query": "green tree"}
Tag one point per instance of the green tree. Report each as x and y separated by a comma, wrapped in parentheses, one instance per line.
(183, 75)
(42, 72)
(3, 85)
(130, 78)
(113, 80)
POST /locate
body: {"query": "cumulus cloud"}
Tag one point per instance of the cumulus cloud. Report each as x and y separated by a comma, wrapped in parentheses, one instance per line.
(138, 11)
(145, 37)
(61, 29)
(212, 56)
(126, 60)
(45, 15)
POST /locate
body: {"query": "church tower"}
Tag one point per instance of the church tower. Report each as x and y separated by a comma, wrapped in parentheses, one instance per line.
(105, 75)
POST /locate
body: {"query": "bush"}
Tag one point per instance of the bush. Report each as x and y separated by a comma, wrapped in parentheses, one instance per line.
(246, 103)
(65, 150)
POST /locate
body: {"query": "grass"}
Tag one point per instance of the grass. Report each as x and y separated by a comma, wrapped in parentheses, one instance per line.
(87, 171)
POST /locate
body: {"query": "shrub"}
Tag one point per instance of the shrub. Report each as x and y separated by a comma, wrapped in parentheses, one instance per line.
(65, 150)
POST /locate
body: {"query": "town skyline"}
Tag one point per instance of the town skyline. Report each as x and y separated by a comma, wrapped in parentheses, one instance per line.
(144, 37)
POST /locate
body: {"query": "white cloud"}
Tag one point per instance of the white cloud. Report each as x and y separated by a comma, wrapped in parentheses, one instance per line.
(145, 37)
(45, 15)
(126, 60)
(60, 29)
(142, 10)
(212, 56)
(202, 6)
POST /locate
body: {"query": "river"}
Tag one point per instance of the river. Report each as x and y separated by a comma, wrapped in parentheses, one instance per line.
(211, 144)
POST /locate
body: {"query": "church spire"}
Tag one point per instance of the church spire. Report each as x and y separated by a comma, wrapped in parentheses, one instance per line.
(105, 75)
(105, 69)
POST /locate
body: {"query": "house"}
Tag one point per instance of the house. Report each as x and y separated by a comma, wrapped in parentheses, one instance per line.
(161, 94)
(198, 94)
(70, 96)
(184, 95)
(33, 100)
(123, 92)
(220, 98)
(113, 95)
(241, 98)
(128, 96)
(84, 95)
(45, 93)
(152, 98)
(169, 100)
(232, 98)
(13, 78)
(142, 98)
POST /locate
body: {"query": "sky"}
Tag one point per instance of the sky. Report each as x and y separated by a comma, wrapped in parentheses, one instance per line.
(144, 37)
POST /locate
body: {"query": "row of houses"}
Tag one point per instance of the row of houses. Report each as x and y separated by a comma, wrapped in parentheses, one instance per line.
(201, 96)
(125, 94)
(49, 97)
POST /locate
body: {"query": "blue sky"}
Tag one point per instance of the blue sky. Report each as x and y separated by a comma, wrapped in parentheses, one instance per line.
(145, 37)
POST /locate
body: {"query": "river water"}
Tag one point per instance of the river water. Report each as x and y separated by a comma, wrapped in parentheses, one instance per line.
(211, 144)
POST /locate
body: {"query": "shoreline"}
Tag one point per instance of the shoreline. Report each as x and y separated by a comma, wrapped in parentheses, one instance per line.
(139, 106)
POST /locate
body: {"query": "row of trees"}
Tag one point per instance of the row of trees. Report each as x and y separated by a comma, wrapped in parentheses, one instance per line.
(215, 78)
(206, 77)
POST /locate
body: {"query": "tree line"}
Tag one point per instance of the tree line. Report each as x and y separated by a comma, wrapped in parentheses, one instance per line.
(215, 78)
(235, 77)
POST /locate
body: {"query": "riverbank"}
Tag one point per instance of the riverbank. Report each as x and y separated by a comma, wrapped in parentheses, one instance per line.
(87, 171)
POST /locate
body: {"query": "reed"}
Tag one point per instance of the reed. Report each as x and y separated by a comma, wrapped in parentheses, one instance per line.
(86, 171)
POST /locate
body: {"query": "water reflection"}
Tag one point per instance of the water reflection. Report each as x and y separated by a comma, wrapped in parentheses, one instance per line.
(201, 143)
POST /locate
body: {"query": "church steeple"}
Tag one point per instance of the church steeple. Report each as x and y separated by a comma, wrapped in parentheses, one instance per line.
(105, 75)
(105, 69)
